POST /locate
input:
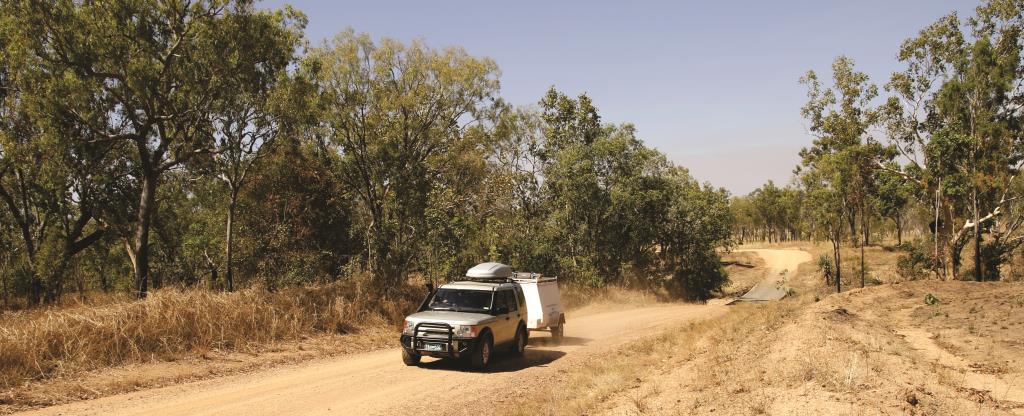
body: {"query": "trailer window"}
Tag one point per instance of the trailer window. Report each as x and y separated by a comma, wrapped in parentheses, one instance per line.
(461, 300)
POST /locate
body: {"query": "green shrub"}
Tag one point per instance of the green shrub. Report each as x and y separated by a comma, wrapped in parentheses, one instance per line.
(825, 267)
(916, 263)
(698, 277)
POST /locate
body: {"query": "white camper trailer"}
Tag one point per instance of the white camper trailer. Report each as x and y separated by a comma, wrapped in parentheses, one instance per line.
(543, 299)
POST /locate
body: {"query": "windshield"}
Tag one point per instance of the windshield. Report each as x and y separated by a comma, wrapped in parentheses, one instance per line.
(461, 300)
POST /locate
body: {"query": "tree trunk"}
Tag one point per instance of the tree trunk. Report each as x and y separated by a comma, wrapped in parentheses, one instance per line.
(899, 229)
(147, 205)
(839, 264)
(978, 267)
(865, 225)
(80, 282)
(55, 284)
(3, 277)
(955, 249)
(229, 241)
(104, 282)
(863, 229)
(853, 226)
(935, 233)
(25, 220)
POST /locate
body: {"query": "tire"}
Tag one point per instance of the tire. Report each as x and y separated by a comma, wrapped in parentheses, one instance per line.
(482, 356)
(519, 343)
(410, 358)
(558, 333)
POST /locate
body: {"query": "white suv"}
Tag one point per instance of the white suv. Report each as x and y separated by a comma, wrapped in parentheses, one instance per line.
(467, 320)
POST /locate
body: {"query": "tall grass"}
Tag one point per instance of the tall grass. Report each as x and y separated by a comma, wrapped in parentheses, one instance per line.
(576, 295)
(172, 322)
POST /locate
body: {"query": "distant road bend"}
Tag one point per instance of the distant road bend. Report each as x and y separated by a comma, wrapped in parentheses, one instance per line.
(782, 264)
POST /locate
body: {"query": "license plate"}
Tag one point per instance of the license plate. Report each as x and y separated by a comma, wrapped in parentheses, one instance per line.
(433, 347)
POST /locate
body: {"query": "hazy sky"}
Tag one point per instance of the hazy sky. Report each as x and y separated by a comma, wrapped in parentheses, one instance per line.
(713, 84)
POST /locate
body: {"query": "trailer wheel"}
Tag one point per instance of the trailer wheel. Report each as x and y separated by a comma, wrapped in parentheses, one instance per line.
(558, 332)
(522, 337)
(410, 358)
(482, 356)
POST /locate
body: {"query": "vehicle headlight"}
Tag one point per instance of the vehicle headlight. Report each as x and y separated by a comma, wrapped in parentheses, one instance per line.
(408, 328)
(465, 331)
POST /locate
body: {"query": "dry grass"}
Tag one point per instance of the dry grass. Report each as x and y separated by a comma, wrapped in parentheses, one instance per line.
(42, 344)
(631, 370)
(787, 357)
(818, 353)
(103, 346)
(575, 296)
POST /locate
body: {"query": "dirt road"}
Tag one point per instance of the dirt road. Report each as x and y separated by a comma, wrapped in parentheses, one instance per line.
(780, 264)
(779, 261)
(378, 383)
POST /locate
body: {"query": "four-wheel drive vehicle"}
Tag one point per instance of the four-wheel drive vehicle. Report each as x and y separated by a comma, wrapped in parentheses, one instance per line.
(494, 307)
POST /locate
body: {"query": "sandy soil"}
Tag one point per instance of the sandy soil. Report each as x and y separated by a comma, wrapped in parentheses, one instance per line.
(780, 266)
(878, 350)
(745, 269)
(781, 262)
(378, 383)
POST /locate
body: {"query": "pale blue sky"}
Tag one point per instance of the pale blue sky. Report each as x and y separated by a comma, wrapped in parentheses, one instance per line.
(713, 84)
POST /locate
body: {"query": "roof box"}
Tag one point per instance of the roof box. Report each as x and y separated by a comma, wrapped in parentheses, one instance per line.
(490, 271)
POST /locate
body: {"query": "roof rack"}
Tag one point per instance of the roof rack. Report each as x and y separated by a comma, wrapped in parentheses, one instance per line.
(488, 279)
(532, 277)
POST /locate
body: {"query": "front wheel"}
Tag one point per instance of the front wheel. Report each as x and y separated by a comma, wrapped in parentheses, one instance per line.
(410, 358)
(482, 356)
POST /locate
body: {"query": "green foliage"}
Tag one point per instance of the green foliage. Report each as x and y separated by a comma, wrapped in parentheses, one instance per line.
(192, 146)
(826, 267)
(396, 115)
(953, 119)
(769, 213)
(930, 299)
(699, 277)
(916, 263)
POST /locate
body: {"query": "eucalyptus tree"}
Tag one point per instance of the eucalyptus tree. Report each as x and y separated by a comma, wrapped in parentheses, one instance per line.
(891, 196)
(826, 206)
(744, 222)
(606, 193)
(572, 187)
(841, 118)
(515, 179)
(698, 223)
(953, 116)
(52, 185)
(769, 209)
(395, 115)
(153, 78)
(248, 121)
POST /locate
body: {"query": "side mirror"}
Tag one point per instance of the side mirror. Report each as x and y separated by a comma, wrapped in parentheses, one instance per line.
(501, 310)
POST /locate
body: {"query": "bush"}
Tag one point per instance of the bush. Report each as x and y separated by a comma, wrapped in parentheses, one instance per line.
(869, 278)
(993, 256)
(825, 267)
(916, 264)
(698, 277)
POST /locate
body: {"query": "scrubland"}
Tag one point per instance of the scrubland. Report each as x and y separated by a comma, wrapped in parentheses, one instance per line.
(894, 347)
